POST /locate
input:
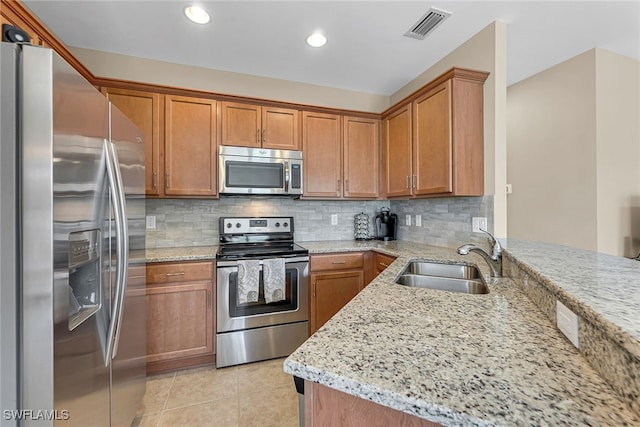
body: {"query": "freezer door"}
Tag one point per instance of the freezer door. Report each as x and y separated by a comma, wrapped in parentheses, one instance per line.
(128, 375)
(67, 244)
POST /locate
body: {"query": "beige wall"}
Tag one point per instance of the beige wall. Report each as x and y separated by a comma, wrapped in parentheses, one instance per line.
(574, 154)
(618, 153)
(123, 67)
(485, 51)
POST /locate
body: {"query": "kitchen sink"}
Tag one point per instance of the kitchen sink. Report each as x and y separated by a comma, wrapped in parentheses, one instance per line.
(444, 277)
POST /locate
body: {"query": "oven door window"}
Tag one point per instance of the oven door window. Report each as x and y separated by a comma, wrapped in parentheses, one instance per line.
(254, 175)
(289, 303)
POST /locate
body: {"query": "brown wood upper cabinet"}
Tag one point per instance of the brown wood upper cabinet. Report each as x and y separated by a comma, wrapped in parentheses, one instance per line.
(434, 144)
(341, 156)
(191, 151)
(145, 110)
(248, 125)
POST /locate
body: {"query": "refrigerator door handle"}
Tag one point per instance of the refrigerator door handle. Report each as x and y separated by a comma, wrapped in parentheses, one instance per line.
(123, 248)
(115, 200)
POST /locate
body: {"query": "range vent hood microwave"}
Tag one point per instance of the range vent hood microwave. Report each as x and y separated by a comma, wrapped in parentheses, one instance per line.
(259, 171)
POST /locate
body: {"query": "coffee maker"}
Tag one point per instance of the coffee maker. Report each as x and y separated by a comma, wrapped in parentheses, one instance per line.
(386, 225)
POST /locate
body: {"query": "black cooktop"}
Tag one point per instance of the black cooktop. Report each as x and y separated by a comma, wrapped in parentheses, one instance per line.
(257, 237)
(260, 250)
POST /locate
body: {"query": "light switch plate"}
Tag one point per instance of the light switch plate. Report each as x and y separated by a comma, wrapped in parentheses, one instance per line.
(150, 222)
(407, 218)
(418, 220)
(567, 322)
(334, 219)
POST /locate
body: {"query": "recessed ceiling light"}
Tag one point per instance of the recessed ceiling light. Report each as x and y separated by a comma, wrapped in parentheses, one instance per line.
(197, 14)
(316, 40)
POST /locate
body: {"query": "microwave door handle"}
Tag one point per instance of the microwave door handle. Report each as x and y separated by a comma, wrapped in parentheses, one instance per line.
(286, 176)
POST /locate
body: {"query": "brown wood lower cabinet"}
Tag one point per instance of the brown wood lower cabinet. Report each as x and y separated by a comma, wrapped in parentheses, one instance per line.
(180, 315)
(324, 406)
(335, 280)
(382, 262)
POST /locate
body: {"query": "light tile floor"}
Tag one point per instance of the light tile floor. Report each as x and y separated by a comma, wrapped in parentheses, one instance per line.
(256, 394)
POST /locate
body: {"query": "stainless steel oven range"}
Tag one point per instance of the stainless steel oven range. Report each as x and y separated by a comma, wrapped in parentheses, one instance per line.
(262, 280)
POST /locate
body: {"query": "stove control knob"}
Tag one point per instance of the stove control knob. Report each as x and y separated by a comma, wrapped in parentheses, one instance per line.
(237, 225)
(277, 224)
(285, 225)
(229, 225)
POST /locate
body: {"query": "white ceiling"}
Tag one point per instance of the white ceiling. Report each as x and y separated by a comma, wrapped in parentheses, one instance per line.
(366, 50)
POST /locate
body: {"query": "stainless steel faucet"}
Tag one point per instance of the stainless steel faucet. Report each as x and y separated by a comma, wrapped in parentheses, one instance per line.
(494, 260)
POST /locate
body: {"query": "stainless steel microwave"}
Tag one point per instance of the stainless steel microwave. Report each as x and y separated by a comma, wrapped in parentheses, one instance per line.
(259, 171)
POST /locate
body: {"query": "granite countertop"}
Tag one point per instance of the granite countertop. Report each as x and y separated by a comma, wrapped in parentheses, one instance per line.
(191, 253)
(471, 360)
(457, 359)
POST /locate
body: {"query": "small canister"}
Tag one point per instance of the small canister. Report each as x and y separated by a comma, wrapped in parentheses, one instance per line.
(361, 227)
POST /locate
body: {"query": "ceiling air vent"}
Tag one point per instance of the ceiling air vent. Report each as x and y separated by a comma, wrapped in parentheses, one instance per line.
(427, 23)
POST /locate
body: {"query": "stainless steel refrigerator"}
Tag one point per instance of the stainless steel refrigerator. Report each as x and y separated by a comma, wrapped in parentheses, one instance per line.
(72, 267)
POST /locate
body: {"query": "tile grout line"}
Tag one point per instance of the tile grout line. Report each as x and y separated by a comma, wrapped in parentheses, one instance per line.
(166, 400)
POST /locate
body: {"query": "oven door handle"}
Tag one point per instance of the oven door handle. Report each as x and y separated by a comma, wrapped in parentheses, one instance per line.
(234, 263)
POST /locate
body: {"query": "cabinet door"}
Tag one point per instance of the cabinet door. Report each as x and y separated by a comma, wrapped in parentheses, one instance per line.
(240, 124)
(321, 152)
(396, 153)
(432, 142)
(382, 262)
(179, 321)
(145, 110)
(190, 147)
(330, 292)
(280, 128)
(360, 154)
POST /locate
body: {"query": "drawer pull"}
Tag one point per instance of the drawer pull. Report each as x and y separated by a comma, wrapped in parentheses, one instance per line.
(175, 274)
(338, 262)
(383, 264)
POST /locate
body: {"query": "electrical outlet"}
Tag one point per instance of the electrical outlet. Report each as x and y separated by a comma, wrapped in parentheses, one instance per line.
(567, 322)
(418, 220)
(150, 222)
(509, 189)
(334, 219)
(478, 223)
(407, 219)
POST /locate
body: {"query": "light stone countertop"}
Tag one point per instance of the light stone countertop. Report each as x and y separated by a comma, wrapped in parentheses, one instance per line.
(457, 359)
(468, 360)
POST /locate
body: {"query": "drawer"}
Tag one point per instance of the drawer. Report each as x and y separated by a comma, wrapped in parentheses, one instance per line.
(383, 261)
(179, 272)
(340, 261)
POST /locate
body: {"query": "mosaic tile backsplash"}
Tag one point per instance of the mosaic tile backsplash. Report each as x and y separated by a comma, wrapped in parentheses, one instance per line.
(194, 222)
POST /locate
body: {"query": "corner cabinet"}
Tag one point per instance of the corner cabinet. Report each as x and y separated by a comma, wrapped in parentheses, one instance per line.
(180, 315)
(249, 125)
(335, 280)
(191, 150)
(443, 126)
(145, 110)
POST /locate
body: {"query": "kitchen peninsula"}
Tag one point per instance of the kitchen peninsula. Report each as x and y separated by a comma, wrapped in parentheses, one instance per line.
(475, 360)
